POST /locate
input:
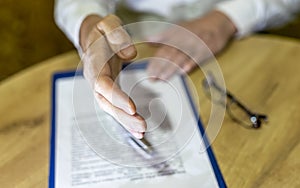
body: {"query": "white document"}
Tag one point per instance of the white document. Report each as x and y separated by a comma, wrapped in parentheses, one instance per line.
(91, 150)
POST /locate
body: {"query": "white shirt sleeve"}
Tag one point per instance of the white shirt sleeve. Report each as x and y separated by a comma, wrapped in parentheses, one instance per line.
(69, 15)
(247, 15)
(254, 15)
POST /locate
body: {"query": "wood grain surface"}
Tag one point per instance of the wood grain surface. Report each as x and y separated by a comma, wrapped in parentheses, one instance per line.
(262, 71)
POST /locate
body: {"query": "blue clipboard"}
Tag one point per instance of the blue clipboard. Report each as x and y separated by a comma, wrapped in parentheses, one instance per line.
(142, 65)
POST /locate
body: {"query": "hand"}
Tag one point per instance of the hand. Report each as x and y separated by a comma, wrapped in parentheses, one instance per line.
(214, 29)
(105, 45)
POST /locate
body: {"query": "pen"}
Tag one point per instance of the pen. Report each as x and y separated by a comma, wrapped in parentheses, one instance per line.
(142, 146)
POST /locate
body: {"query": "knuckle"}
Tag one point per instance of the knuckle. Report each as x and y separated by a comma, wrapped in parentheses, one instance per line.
(189, 66)
(103, 104)
(99, 98)
(101, 84)
(141, 122)
(112, 17)
(92, 37)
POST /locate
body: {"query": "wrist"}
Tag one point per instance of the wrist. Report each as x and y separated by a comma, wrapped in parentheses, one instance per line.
(219, 30)
(225, 28)
(86, 27)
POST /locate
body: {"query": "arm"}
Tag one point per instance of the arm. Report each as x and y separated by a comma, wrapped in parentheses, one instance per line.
(104, 45)
(199, 39)
(254, 15)
(228, 19)
(69, 15)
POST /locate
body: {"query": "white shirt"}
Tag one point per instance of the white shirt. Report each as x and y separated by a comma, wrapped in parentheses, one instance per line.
(247, 15)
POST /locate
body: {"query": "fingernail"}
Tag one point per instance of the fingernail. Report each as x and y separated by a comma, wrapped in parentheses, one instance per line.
(163, 77)
(155, 39)
(137, 135)
(152, 75)
(130, 111)
(128, 52)
(152, 79)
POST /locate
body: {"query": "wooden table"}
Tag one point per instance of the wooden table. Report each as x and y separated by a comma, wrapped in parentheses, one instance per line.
(263, 71)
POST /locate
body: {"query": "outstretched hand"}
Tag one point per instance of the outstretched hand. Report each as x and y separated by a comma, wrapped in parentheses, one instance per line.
(105, 45)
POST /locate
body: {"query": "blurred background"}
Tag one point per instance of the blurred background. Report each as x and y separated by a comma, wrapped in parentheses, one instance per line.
(29, 35)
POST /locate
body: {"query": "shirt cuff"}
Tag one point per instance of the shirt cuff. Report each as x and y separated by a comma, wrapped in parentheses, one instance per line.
(71, 17)
(246, 15)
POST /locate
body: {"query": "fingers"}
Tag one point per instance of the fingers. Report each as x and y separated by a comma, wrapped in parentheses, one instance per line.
(135, 124)
(117, 37)
(160, 62)
(106, 87)
(159, 38)
(115, 102)
(100, 69)
(169, 61)
(188, 66)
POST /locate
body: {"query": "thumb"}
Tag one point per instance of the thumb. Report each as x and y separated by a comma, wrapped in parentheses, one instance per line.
(117, 37)
(156, 38)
